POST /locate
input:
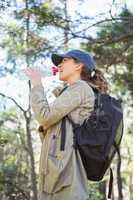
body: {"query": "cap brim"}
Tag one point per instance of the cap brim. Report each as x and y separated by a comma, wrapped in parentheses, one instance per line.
(57, 58)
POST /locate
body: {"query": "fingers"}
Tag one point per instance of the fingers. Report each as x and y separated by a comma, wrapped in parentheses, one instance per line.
(31, 70)
(27, 71)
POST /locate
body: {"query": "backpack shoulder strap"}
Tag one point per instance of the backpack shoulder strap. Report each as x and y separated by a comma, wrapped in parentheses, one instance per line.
(110, 183)
(63, 89)
(63, 134)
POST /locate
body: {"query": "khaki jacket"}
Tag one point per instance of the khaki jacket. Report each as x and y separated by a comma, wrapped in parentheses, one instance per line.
(61, 168)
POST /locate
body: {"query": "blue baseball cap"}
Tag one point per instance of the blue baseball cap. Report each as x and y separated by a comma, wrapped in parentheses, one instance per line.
(78, 55)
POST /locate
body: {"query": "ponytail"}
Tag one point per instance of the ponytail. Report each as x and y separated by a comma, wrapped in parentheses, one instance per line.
(96, 79)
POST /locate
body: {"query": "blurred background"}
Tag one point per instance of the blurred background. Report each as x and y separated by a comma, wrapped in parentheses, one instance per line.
(30, 31)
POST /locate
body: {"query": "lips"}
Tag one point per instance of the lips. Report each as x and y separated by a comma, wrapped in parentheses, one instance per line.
(60, 70)
(55, 70)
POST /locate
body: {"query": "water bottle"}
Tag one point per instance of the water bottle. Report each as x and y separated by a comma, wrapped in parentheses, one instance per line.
(44, 73)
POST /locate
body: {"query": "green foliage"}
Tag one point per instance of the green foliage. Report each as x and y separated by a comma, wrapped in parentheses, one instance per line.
(113, 47)
(44, 15)
(122, 24)
(15, 45)
(4, 4)
(94, 192)
(11, 179)
(14, 169)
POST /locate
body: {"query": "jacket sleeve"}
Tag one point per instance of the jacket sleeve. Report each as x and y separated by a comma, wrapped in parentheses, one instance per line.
(48, 115)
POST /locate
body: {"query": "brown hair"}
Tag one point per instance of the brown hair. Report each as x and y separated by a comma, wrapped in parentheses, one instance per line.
(95, 78)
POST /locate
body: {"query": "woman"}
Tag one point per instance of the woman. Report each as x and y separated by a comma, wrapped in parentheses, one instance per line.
(61, 173)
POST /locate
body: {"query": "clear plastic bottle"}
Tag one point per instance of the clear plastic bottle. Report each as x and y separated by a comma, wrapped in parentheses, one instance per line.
(21, 75)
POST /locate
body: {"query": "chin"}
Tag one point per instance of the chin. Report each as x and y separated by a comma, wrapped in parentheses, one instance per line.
(61, 78)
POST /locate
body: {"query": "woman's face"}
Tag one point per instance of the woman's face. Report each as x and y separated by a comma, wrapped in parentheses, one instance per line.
(67, 69)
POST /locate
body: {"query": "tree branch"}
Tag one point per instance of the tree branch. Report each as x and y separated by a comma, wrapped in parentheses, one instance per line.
(5, 96)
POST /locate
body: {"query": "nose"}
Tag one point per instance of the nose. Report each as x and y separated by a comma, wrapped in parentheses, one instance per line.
(59, 65)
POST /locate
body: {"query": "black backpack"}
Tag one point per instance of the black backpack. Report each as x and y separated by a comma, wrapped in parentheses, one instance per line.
(99, 136)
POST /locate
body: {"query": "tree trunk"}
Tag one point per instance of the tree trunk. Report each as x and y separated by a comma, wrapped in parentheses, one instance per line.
(1, 160)
(32, 162)
(66, 27)
(27, 114)
(130, 186)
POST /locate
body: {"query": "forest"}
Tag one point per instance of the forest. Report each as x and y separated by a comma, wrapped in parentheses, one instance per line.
(30, 30)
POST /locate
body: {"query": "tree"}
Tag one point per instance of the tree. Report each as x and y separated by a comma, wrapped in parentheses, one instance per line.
(113, 47)
(41, 27)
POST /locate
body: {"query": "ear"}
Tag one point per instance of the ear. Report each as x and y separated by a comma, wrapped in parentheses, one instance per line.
(79, 66)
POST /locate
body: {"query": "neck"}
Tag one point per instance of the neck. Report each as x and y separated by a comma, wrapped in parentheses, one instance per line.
(73, 79)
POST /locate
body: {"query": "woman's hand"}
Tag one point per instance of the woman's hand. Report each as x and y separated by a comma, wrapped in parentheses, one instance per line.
(34, 75)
